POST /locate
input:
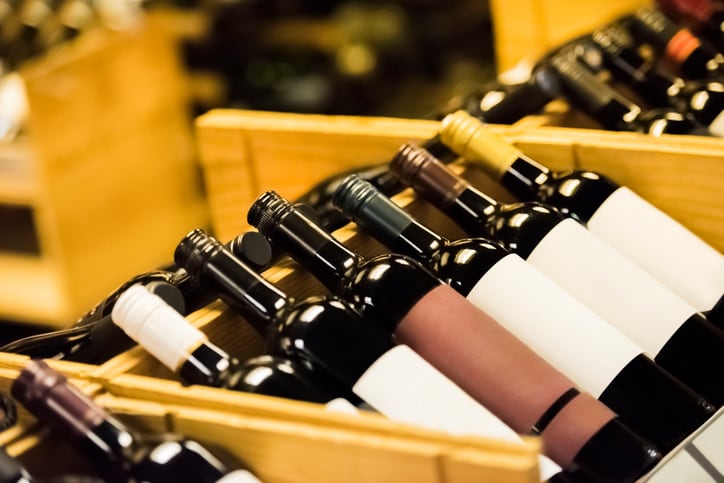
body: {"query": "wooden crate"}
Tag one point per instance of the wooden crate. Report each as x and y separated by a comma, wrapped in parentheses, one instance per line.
(244, 153)
(282, 441)
(524, 31)
(106, 170)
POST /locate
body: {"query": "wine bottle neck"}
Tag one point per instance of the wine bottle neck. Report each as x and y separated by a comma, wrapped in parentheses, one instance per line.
(49, 396)
(473, 211)
(207, 365)
(209, 261)
(313, 248)
(594, 96)
(386, 221)
(109, 440)
(439, 185)
(478, 144)
(651, 25)
(623, 59)
(525, 178)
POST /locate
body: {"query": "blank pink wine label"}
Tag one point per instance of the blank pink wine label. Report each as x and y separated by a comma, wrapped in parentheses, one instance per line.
(662, 246)
(499, 371)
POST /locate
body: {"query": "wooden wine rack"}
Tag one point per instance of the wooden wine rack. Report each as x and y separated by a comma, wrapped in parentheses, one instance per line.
(244, 153)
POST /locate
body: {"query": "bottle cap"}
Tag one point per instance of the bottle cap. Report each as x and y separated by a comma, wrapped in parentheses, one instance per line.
(426, 175)
(475, 142)
(156, 326)
(47, 394)
(267, 211)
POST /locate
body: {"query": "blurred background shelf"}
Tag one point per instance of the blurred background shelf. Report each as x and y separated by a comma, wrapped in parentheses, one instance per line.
(103, 179)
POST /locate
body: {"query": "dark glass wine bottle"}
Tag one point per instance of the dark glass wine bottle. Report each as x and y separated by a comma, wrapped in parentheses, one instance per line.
(676, 43)
(184, 349)
(655, 241)
(408, 301)
(678, 337)
(499, 102)
(612, 47)
(704, 17)
(94, 338)
(611, 109)
(120, 453)
(566, 333)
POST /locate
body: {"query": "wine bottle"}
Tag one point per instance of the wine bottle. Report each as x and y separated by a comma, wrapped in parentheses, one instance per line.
(161, 330)
(639, 230)
(671, 331)
(612, 47)
(96, 341)
(408, 301)
(499, 102)
(676, 43)
(120, 453)
(94, 338)
(704, 17)
(612, 110)
(566, 333)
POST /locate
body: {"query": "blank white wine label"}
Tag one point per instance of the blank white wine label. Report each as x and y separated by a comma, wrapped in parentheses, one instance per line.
(556, 325)
(239, 476)
(404, 387)
(611, 285)
(662, 246)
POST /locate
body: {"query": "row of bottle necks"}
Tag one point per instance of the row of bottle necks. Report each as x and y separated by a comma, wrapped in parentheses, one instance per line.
(657, 70)
(581, 314)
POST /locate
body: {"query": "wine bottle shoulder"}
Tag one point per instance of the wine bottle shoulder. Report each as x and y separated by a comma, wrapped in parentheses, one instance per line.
(519, 227)
(577, 193)
(386, 287)
(327, 333)
(462, 263)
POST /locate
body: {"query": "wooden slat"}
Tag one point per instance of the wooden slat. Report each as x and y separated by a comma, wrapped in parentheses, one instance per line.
(680, 174)
(295, 450)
